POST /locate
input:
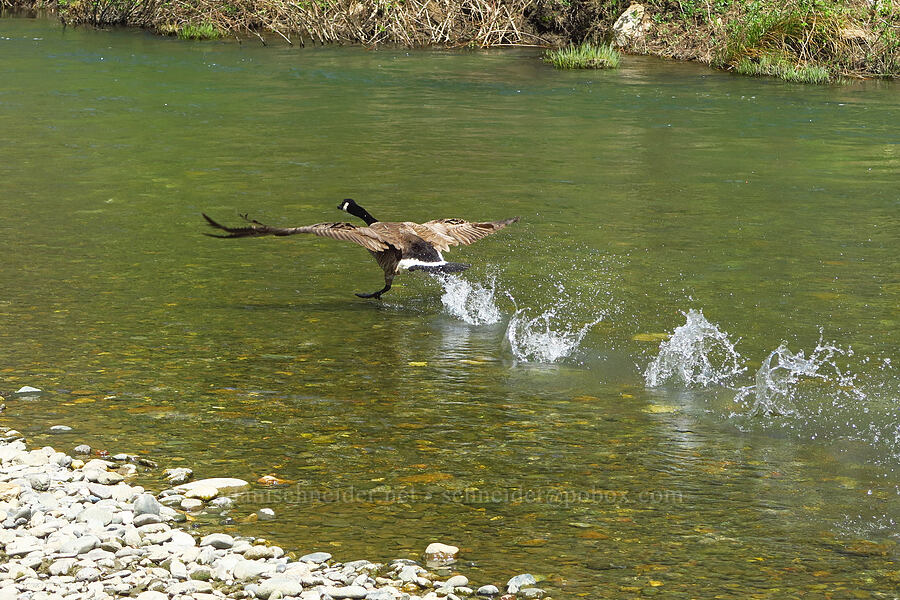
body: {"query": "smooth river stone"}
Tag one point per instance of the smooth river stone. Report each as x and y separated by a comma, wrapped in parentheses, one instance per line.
(347, 591)
(519, 581)
(220, 541)
(285, 585)
(178, 475)
(315, 557)
(456, 581)
(220, 484)
(251, 569)
(146, 504)
(441, 553)
(202, 492)
(191, 504)
(96, 516)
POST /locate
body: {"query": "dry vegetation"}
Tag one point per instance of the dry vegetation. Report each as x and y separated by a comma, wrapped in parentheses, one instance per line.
(781, 37)
(406, 22)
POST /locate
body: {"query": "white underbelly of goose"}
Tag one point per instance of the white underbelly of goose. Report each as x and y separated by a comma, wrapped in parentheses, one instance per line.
(410, 263)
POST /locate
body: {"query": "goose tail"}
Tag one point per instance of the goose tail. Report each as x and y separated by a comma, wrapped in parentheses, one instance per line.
(447, 267)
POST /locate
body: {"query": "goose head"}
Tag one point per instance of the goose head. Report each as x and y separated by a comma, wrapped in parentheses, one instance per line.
(350, 206)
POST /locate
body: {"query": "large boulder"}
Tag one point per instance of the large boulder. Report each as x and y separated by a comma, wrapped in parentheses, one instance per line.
(630, 26)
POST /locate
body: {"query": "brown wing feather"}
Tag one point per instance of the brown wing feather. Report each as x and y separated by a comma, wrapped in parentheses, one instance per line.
(388, 261)
(347, 232)
(457, 231)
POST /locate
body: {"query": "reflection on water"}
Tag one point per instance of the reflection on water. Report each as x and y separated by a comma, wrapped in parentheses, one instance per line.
(505, 411)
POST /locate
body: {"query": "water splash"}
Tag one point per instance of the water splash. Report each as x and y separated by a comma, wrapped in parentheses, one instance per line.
(784, 376)
(697, 354)
(470, 302)
(543, 338)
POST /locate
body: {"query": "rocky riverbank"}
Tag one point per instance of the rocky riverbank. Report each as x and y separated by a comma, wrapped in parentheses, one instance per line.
(74, 528)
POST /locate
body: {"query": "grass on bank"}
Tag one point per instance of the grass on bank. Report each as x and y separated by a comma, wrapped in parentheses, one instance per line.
(777, 66)
(584, 56)
(203, 31)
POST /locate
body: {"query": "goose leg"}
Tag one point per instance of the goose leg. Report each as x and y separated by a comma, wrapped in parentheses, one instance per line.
(376, 295)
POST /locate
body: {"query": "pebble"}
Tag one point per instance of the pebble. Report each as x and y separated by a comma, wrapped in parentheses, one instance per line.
(40, 482)
(488, 590)
(251, 569)
(286, 587)
(222, 502)
(83, 449)
(60, 429)
(191, 504)
(316, 557)
(97, 516)
(217, 540)
(146, 519)
(72, 529)
(178, 475)
(257, 552)
(220, 484)
(347, 591)
(146, 504)
(87, 574)
(441, 554)
(27, 389)
(457, 581)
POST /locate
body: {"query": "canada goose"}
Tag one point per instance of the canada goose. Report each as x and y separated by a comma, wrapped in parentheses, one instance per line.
(395, 246)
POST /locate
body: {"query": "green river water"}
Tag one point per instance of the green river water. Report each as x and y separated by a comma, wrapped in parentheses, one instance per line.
(524, 411)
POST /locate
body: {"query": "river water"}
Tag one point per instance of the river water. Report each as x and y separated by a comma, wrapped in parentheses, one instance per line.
(677, 374)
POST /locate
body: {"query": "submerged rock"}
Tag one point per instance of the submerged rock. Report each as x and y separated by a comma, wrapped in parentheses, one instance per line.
(178, 475)
(27, 389)
(519, 581)
(191, 504)
(437, 554)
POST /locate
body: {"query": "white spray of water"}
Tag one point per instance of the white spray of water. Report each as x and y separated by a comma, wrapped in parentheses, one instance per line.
(470, 302)
(541, 339)
(698, 353)
(784, 374)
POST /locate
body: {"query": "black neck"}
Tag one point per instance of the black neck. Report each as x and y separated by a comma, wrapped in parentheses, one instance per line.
(358, 211)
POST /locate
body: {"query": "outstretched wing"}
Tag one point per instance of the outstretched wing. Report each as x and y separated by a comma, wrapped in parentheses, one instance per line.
(347, 232)
(451, 232)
